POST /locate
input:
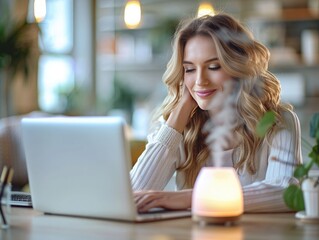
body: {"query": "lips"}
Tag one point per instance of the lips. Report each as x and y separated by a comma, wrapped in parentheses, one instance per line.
(205, 93)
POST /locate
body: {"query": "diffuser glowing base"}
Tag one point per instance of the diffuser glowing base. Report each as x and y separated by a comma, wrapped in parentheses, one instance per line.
(217, 196)
(215, 220)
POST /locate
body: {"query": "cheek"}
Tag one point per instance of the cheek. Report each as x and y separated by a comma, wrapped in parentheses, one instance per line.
(189, 83)
(221, 77)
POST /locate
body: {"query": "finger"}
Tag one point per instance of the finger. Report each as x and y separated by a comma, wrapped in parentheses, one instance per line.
(137, 199)
(154, 203)
(144, 192)
(139, 194)
(148, 201)
(145, 199)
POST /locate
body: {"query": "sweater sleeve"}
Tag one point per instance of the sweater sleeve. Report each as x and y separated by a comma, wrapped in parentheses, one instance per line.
(157, 163)
(282, 156)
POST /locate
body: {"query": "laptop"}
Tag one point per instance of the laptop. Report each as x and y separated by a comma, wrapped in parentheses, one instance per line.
(80, 166)
(18, 199)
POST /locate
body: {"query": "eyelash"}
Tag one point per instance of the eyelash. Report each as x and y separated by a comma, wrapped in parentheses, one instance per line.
(189, 70)
(214, 68)
(210, 68)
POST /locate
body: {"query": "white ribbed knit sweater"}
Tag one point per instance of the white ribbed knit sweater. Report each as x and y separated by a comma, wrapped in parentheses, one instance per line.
(263, 191)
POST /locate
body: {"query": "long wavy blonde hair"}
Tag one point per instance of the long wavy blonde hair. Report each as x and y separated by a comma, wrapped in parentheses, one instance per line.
(246, 60)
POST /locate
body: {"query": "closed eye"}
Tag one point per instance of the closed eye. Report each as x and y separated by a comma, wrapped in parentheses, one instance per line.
(214, 68)
(188, 70)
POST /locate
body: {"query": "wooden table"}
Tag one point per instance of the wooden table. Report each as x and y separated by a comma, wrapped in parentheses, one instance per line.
(32, 225)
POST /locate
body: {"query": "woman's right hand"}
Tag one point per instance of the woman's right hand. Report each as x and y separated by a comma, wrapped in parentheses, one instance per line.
(187, 100)
(180, 116)
(177, 200)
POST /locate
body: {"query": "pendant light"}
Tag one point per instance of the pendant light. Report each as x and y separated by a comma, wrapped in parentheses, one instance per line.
(205, 8)
(132, 14)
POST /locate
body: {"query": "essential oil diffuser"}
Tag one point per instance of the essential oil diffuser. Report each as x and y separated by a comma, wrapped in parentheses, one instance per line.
(217, 196)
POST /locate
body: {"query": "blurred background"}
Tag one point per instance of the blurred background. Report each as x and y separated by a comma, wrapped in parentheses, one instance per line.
(107, 57)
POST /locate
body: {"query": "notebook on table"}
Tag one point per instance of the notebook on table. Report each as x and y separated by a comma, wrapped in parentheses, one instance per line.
(80, 166)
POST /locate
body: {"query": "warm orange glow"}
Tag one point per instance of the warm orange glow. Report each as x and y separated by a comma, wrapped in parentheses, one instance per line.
(205, 8)
(235, 232)
(39, 10)
(217, 193)
(132, 14)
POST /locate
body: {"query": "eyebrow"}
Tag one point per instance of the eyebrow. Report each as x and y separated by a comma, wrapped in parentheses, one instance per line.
(209, 60)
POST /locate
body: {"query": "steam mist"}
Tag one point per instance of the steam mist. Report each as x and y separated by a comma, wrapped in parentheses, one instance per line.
(223, 120)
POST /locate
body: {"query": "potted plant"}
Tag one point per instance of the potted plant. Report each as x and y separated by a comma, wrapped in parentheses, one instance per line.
(18, 43)
(304, 193)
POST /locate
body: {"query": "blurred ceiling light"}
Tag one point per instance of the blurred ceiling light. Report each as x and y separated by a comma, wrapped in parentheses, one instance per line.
(205, 8)
(132, 13)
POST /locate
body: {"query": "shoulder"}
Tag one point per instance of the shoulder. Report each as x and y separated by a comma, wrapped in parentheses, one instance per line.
(288, 130)
(287, 137)
(290, 116)
(290, 121)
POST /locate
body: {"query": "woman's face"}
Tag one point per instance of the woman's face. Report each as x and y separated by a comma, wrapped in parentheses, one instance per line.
(203, 74)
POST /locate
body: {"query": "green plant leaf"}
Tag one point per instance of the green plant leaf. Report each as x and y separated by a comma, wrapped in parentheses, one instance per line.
(314, 126)
(316, 160)
(300, 172)
(265, 123)
(314, 154)
(293, 195)
(293, 198)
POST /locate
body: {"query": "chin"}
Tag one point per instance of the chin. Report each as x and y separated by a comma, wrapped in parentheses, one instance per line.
(204, 104)
(204, 107)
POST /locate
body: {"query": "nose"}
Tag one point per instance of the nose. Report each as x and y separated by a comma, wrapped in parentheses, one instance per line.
(201, 78)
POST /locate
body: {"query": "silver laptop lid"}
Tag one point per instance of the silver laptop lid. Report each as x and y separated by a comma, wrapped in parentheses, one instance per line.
(79, 166)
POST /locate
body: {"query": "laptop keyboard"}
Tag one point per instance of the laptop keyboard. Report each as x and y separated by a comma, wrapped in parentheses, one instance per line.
(21, 199)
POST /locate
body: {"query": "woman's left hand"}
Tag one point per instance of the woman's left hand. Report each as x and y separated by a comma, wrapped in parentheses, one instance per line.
(178, 200)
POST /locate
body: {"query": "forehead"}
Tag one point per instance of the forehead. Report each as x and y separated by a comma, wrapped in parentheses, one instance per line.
(199, 47)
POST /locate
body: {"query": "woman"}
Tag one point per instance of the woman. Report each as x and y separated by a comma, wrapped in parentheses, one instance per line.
(207, 53)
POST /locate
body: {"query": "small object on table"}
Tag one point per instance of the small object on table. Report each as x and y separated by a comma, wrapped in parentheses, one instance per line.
(6, 178)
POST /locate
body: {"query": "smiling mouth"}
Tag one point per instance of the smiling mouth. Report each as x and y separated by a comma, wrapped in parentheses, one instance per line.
(205, 93)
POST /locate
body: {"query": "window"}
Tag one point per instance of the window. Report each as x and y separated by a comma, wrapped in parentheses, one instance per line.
(56, 67)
